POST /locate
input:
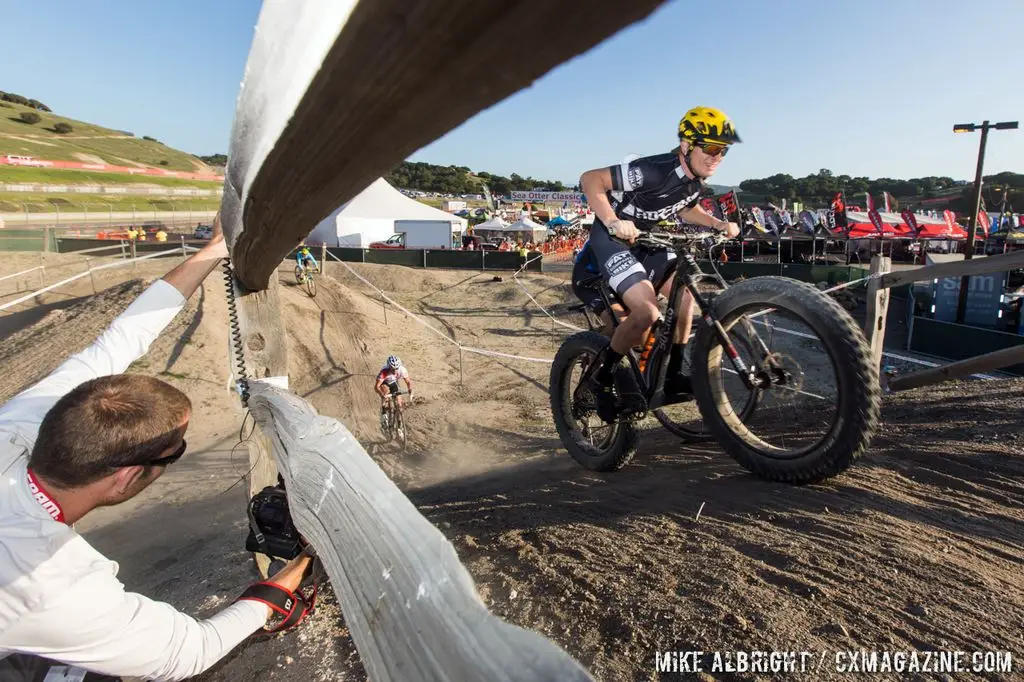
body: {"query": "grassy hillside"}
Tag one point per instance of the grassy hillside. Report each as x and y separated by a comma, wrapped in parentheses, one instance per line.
(18, 202)
(63, 176)
(86, 142)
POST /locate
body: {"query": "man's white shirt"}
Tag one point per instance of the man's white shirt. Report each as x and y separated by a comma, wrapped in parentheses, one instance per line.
(59, 597)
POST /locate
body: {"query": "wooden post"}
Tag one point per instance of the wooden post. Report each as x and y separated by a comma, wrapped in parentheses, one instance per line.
(878, 305)
(42, 276)
(184, 252)
(323, 257)
(88, 268)
(264, 339)
(460, 365)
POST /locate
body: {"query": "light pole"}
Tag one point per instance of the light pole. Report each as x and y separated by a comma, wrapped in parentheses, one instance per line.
(972, 219)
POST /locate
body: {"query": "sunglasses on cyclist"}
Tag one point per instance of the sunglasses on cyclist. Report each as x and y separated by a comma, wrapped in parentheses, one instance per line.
(712, 149)
(168, 459)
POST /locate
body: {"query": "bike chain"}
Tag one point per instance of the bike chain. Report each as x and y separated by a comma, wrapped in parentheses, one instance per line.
(236, 331)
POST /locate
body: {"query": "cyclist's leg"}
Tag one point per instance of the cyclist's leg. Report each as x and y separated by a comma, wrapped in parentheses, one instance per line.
(676, 380)
(395, 394)
(662, 265)
(629, 279)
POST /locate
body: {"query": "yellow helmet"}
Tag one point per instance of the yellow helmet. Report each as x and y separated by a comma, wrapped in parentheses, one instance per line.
(707, 124)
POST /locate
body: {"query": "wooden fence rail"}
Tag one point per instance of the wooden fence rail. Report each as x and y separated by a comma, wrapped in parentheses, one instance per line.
(412, 608)
(883, 279)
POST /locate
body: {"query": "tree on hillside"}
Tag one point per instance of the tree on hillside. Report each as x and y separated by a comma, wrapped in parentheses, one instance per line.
(427, 177)
(30, 117)
(24, 101)
(62, 128)
(819, 188)
(214, 159)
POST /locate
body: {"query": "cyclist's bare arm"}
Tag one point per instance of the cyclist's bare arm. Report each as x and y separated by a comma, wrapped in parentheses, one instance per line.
(379, 387)
(696, 215)
(594, 184)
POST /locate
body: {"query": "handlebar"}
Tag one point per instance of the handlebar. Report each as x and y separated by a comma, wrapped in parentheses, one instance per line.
(673, 240)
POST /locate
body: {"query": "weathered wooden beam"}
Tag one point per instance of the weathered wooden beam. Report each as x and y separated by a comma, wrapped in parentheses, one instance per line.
(954, 370)
(265, 353)
(975, 266)
(320, 117)
(412, 608)
(878, 308)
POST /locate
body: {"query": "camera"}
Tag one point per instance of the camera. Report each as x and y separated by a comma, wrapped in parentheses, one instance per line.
(271, 530)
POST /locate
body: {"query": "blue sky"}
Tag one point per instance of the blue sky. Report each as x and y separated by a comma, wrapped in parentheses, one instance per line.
(864, 88)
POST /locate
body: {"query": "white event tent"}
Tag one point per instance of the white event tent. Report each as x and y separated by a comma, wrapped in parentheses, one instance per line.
(371, 216)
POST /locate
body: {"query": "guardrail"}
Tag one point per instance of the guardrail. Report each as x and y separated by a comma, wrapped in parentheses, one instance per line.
(181, 251)
(436, 258)
(882, 279)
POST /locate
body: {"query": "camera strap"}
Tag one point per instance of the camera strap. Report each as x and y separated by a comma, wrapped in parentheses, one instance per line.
(292, 607)
(261, 541)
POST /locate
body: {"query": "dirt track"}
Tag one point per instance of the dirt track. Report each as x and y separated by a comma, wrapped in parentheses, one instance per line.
(918, 547)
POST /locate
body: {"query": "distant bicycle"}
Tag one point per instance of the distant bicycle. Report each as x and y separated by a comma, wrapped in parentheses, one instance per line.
(392, 420)
(304, 276)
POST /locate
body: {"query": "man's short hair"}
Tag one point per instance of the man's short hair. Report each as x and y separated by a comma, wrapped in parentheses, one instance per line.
(105, 423)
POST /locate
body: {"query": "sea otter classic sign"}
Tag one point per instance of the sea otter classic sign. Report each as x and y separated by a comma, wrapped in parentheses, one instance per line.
(546, 197)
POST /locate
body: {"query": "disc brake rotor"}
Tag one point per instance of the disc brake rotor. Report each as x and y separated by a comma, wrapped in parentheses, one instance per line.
(784, 371)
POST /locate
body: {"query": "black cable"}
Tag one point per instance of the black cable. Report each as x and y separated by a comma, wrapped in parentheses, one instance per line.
(235, 330)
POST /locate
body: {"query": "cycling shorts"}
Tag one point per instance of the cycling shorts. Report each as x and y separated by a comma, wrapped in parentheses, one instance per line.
(622, 267)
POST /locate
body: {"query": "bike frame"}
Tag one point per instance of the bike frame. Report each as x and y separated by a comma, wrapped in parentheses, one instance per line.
(651, 380)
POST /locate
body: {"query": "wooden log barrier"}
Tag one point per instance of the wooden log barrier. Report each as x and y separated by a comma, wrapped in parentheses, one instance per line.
(412, 608)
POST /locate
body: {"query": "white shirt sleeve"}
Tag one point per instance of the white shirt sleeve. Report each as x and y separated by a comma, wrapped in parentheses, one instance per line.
(127, 339)
(100, 627)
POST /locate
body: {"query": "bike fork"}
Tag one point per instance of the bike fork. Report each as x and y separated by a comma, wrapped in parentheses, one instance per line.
(746, 374)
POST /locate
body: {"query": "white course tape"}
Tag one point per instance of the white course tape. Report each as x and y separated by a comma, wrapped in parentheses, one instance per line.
(121, 263)
(416, 318)
(23, 272)
(544, 310)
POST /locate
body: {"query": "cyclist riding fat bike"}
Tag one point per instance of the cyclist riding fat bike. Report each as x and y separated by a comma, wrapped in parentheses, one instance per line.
(387, 381)
(631, 198)
(303, 256)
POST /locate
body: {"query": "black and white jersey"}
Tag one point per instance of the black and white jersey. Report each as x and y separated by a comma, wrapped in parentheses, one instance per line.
(652, 188)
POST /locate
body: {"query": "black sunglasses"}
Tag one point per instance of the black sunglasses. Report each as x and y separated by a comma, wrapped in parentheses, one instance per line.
(169, 459)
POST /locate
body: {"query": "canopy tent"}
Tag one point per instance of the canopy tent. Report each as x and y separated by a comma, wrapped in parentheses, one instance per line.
(371, 216)
(494, 227)
(558, 220)
(525, 229)
(895, 227)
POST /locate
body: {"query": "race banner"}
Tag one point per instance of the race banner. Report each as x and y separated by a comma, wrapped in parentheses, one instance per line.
(771, 222)
(983, 223)
(950, 219)
(911, 220)
(876, 220)
(545, 197)
(729, 207)
(807, 221)
(758, 216)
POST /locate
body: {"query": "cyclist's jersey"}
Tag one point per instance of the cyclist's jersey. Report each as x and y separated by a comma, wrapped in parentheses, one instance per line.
(390, 376)
(652, 188)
